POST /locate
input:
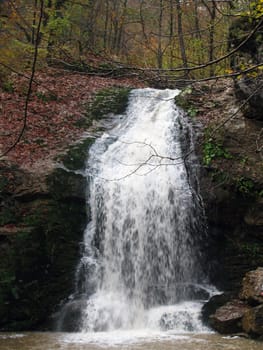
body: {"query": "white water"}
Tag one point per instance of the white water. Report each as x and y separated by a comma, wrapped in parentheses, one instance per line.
(142, 268)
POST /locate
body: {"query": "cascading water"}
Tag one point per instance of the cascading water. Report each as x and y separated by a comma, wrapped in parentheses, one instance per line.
(142, 265)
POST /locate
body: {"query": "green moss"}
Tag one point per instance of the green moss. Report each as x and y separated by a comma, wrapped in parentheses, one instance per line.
(76, 156)
(112, 100)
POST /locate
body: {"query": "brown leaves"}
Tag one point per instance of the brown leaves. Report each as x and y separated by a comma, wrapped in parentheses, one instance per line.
(55, 109)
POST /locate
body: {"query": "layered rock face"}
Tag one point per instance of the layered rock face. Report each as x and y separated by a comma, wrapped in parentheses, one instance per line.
(42, 221)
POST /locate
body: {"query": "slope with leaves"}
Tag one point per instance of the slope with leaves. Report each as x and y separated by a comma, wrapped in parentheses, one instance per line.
(57, 114)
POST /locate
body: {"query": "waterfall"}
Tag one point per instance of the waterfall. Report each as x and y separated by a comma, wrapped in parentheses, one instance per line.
(142, 264)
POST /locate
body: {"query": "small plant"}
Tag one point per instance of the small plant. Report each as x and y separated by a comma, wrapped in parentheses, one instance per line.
(244, 160)
(8, 86)
(46, 97)
(192, 112)
(251, 249)
(212, 150)
(245, 185)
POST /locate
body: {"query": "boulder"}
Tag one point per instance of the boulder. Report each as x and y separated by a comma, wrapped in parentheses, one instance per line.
(213, 304)
(254, 216)
(251, 53)
(252, 321)
(70, 315)
(227, 319)
(252, 287)
(252, 89)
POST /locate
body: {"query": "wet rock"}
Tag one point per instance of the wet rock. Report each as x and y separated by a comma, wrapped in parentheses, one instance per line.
(227, 319)
(213, 304)
(70, 316)
(170, 321)
(252, 287)
(254, 216)
(252, 321)
(251, 87)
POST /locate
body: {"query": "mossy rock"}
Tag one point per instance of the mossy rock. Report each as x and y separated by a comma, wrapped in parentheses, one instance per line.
(76, 156)
(112, 100)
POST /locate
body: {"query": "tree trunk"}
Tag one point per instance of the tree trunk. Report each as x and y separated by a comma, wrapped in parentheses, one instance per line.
(106, 23)
(160, 32)
(211, 36)
(181, 36)
(171, 32)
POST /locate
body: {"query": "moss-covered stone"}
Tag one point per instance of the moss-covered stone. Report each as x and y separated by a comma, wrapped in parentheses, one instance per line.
(76, 156)
(112, 100)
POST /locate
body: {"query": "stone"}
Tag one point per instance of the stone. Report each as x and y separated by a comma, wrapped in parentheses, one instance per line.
(252, 287)
(70, 316)
(216, 301)
(252, 321)
(227, 319)
(252, 89)
(254, 216)
(251, 51)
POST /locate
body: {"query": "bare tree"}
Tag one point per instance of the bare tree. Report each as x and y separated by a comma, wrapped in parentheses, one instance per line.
(181, 35)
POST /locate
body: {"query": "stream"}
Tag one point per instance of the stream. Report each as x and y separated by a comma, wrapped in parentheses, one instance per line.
(123, 341)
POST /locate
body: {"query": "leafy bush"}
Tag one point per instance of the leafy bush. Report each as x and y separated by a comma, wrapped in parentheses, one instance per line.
(212, 150)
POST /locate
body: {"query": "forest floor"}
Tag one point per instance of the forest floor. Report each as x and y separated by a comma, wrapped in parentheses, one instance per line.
(56, 114)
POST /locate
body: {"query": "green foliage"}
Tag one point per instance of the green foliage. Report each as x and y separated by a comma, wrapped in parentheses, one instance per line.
(183, 100)
(251, 249)
(213, 150)
(59, 25)
(8, 86)
(256, 9)
(76, 156)
(113, 100)
(245, 185)
(46, 96)
(192, 112)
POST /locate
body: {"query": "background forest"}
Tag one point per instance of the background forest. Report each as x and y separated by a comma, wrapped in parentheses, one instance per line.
(184, 36)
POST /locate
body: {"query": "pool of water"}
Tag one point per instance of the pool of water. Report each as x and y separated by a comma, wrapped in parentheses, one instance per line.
(124, 340)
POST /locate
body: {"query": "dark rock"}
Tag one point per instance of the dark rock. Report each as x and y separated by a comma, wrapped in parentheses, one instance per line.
(252, 321)
(251, 51)
(213, 304)
(252, 286)
(169, 321)
(70, 316)
(248, 87)
(40, 232)
(227, 319)
(254, 216)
